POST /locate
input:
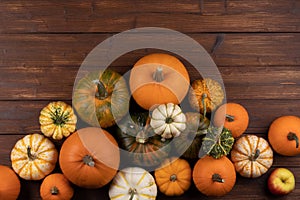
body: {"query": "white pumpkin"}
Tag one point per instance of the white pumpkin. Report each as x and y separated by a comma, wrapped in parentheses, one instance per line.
(133, 183)
(33, 157)
(168, 120)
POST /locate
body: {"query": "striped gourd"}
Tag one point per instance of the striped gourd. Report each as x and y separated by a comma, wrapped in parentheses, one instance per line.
(252, 156)
(133, 183)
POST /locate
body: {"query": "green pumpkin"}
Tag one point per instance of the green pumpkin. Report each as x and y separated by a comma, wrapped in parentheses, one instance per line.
(217, 143)
(101, 98)
(137, 137)
(188, 143)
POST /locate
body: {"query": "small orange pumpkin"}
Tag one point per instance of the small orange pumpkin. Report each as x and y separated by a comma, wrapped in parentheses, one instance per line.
(158, 79)
(90, 157)
(55, 187)
(173, 177)
(284, 135)
(232, 116)
(214, 177)
(9, 184)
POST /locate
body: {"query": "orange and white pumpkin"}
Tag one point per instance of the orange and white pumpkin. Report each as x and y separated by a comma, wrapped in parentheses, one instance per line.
(252, 156)
(33, 157)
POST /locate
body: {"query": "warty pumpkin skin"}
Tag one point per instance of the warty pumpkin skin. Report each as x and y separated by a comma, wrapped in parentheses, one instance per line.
(101, 98)
(214, 177)
(232, 116)
(33, 157)
(158, 78)
(9, 184)
(173, 177)
(284, 135)
(57, 120)
(133, 183)
(90, 157)
(56, 187)
(252, 156)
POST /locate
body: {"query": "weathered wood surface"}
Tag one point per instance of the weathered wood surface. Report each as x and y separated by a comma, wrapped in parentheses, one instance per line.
(43, 43)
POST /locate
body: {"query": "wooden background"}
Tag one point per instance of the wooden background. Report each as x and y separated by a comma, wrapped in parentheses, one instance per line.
(43, 43)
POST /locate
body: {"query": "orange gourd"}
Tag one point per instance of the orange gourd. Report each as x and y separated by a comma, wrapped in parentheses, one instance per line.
(214, 177)
(90, 157)
(232, 116)
(173, 177)
(56, 187)
(158, 79)
(9, 184)
(284, 134)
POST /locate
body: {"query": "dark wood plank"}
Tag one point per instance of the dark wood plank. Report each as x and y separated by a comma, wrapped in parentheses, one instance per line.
(187, 16)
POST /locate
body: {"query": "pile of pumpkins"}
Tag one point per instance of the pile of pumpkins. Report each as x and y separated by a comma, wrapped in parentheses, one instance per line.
(90, 157)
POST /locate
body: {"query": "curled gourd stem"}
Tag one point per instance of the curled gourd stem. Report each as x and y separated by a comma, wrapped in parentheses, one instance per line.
(254, 156)
(292, 136)
(217, 178)
(173, 177)
(29, 154)
(229, 118)
(158, 75)
(54, 190)
(132, 192)
(101, 90)
(88, 160)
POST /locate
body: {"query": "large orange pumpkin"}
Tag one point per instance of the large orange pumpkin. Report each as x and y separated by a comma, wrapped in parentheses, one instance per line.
(284, 135)
(9, 184)
(90, 157)
(232, 116)
(214, 177)
(158, 79)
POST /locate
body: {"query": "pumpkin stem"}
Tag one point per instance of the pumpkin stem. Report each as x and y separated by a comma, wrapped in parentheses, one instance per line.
(29, 154)
(141, 137)
(132, 192)
(158, 75)
(101, 90)
(173, 177)
(54, 190)
(88, 160)
(217, 178)
(292, 136)
(169, 120)
(254, 156)
(204, 95)
(229, 118)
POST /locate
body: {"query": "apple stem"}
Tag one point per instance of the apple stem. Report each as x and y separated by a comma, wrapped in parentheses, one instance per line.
(292, 136)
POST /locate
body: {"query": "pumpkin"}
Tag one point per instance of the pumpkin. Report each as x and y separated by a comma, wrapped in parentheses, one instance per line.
(232, 116)
(101, 98)
(158, 78)
(214, 177)
(57, 120)
(252, 156)
(211, 89)
(218, 142)
(173, 177)
(56, 186)
(133, 183)
(168, 120)
(9, 184)
(284, 135)
(141, 145)
(90, 157)
(33, 157)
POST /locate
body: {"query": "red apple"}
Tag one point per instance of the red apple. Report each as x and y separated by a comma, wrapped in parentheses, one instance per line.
(281, 181)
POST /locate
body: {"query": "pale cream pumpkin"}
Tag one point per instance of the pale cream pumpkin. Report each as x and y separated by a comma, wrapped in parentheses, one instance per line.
(168, 120)
(133, 183)
(252, 156)
(33, 157)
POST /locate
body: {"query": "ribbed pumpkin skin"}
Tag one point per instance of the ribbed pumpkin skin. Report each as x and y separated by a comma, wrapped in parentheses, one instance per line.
(243, 156)
(148, 92)
(96, 111)
(9, 184)
(56, 187)
(39, 162)
(103, 153)
(278, 133)
(133, 183)
(173, 177)
(204, 170)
